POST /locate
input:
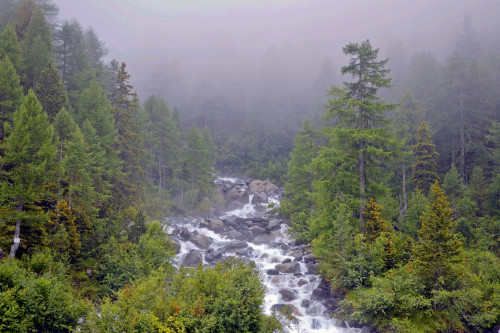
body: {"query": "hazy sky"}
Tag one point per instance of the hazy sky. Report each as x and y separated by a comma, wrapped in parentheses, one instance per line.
(199, 33)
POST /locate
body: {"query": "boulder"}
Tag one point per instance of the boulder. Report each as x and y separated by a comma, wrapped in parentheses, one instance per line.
(301, 282)
(291, 267)
(263, 239)
(259, 198)
(274, 224)
(256, 230)
(232, 246)
(305, 303)
(216, 225)
(237, 194)
(202, 241)
(192, 258)
(288, 295)
(314, 310)
(259, 186)
(234, 234)
(315, 325)
(272, 272)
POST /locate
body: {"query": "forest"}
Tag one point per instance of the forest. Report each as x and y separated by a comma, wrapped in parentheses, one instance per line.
(394, 185)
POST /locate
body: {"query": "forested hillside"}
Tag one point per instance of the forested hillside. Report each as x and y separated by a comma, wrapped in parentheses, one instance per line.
(400, 202)
(395, 188)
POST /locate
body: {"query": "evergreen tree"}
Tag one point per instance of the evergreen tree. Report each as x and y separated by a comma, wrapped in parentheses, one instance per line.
(69, 50)
(453, 186)
(29, 155)
(478, 189)
(95, 48)
(300, 179)
(11, 92)
(36, 49)
(25, 12)
(376, 227)
(125, 104)
(10, 47)
(438, 249)
(425, 168)
(360, 113)
(51, 93)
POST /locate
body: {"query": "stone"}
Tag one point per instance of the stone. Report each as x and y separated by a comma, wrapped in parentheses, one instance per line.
(216, 225)
(301, 282)
(292, 267)
(287, 260)
(192, 259)
(258, 186)
(312, 268)
(305, 303)
(234, 234)
(237, 194)
(232, 246)
(256, 230)
(202, 241)
(272, 272)
(259, 198)
(274, 224)
(315, 325)
(314, 310)
(263, 239)
(288, 295)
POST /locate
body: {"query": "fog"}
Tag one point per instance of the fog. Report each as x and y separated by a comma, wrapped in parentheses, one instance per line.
(252, 57)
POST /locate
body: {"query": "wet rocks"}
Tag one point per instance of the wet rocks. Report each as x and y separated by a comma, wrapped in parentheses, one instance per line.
(286, 309)
(291, 267)
(202, 241)
(192, 259)
(233, 246)
(288, 295)
(216, 225)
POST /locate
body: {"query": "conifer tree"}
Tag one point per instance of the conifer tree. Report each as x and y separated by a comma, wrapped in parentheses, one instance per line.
(425, 169)
(125, 104)
(11, 92)
(198, 165)
(24, 14)
(36, 49)
(359, 113)
(29, 156)
(453, 186)
(51, 93)
(10, 47)
(439, 248)
(376, 227)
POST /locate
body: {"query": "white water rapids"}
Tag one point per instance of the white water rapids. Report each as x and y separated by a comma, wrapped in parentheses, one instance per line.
(294, 289)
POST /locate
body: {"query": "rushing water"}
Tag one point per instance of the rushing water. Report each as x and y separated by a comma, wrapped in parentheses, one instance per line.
(292, 288)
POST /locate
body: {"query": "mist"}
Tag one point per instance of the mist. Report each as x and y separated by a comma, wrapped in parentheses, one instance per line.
(230, 52)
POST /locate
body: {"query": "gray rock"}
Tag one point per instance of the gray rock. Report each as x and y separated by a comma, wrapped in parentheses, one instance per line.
(274, 224)
(234, 234)
(301, 282)
(232, 246)
(291, 267)
(314, 310)
(288, 295)
(202, 241)
(305, 303)
(259, 198)
(192, 258)
(256, 230)
(216, 225)
(272, 272)
(316, 325)
(264, 239)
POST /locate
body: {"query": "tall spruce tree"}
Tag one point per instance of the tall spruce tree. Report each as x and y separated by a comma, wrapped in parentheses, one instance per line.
(425, 169)
(125, 104)
(11, 92)
(10, 47)
(359, 112)
(28, 161)
(51, 93)
(439, 247)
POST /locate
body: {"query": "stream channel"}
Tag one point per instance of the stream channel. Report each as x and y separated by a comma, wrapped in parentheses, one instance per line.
(250, 231)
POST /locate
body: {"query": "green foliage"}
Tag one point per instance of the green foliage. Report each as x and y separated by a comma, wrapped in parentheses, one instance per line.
(11, 93)
(226, 298)
(438, 251)
(10, 47)
(37, 296)
(29, 155)
(425, 168)
(51, 93)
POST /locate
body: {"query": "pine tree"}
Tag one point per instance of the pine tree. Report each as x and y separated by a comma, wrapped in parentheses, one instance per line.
(95, 49)
(361, 124)
(11, 92)
(198, 165)
(51, 93)
(24, 14)
(376, 227)
(452, 184)
(438, 249)
(36, 49)
(125, 104)
(425, 168)
(10, 47)
(28, 160)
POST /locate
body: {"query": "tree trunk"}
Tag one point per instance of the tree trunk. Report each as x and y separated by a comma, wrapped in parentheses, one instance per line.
(462, 140)
(404, 207)
(17, 233)
(362, 195)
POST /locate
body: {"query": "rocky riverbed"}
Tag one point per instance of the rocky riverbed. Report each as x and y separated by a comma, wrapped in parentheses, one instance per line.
(250, 230)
